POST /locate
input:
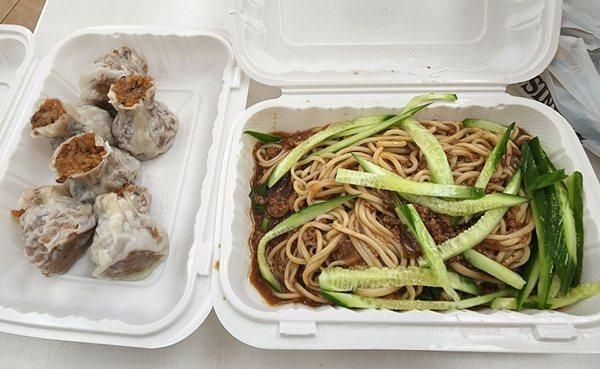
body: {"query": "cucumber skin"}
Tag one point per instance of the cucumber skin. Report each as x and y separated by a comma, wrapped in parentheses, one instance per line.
(369, 131)
(575, 192)
(494, 268)
(575, 295)
(394, 182)
(547, 180)
(437, 162)
(541, 218)
(409, 216)
(264, 137)
(531, 275)
(495, 157)
(337, 279)
(292, 222)
(475, 234)
(484, 124)
(376, 119)
(348, 300)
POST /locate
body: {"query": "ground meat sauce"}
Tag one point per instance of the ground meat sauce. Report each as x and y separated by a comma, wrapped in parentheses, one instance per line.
(17, 213)
(48, 113)
(347, 251)
(130, 90)
(79, 155)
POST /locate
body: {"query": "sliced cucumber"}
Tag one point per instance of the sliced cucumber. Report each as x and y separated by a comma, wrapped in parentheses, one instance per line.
(575, 192)
(484, 124)
(454, 208)
(577, 294)
(394, 182)
(338, 279)
(368, 131)
(292, 222)
(410, 218)
(376, 119)
(349, 300)
(264, 137)
(494, 268)
(561, 242)
(540, 218)
(475, 234)
(429, 97)
(298, 152)
(494, 159)
(437, 162)
(531, 275)
(547, 180)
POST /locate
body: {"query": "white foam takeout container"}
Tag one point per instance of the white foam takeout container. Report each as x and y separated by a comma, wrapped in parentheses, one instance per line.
(351, 58)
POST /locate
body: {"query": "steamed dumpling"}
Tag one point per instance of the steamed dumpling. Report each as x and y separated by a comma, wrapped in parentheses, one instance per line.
(59, 121)
(57, 228)
(143, 126)
(96, 79)
(127, 243)
(89, 166)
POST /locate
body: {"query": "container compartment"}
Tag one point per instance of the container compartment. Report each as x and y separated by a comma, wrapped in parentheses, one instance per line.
(299, 113)
(189, 69)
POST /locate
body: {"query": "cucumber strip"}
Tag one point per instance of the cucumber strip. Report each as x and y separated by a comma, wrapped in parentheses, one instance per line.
(454, 208)
(376, 119)
(531, 274)
(394, 182)
(339, 279)
(409, 217)
(494, 159)
(577, 294)
(430, 97)
(368, 131)
(561, 243)
(484, 124)
(298, 152)
(547, 180)
(540, 218)
(554, 287)
(349, 300)
(575, 192)
(437, 162)
(494, 268)
(264, 137)
(475, 234)
(292, 222)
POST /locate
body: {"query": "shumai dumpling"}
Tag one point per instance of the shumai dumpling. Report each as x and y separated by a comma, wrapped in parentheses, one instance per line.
(143, 126)
(57, 228)
(127, 243)
(89, 166)
(58, 121)
(97, 77)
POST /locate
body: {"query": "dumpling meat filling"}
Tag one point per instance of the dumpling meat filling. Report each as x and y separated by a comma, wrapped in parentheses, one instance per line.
(59, 121)
(57, 228)
(127, 243)
(143, 126)
(89, 166)
(95, 81)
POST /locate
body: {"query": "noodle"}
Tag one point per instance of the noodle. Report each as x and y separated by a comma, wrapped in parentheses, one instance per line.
(365, 231)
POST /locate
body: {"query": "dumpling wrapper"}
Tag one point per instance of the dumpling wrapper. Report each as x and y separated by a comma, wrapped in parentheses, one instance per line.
(143, 126)
(97, 77)
(59, 121)
(57, 228)
(110, 169)
(127, 243)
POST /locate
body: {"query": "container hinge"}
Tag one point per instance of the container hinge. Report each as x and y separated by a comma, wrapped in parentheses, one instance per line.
(236, 78)
(563, 332)
(297, 329)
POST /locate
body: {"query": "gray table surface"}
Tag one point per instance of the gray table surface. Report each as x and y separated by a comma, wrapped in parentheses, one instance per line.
(211, 346)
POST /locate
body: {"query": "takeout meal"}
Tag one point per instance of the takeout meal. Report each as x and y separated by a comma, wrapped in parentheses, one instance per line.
(395, 213)
(97, 201)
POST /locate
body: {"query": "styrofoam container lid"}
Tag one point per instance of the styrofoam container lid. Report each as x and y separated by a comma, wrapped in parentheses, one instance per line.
(388, 42)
